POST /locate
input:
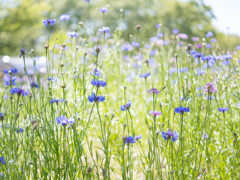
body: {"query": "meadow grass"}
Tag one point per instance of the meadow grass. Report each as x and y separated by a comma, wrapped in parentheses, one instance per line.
(59, 129)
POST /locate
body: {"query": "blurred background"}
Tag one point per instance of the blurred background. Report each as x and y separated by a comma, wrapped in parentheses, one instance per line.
(21, 20)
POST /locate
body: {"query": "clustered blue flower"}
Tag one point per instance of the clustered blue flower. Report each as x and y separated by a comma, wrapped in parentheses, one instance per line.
(10, 80)
(223, 109)
(145, 75)
(12, 70)
(20, 130)
(56, 101)
(130, 140)
(104, 30)
(2, 160)
(72, 34)
(34, 85)
(64, 17)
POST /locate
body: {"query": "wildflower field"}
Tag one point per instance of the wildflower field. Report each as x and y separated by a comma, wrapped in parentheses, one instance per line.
(113, 108)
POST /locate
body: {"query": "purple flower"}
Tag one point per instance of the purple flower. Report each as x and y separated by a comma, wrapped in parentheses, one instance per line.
(20, 130)
(175, 31)
(226, 63)
(198, 46)
(72, 34)
(160, 35)
(104, 10)
(153, 91)
(126, 106)
(52, 79)
(213, 40)
(56, 101)
(104, 30)
(182, 110)
(130, 140)
(209, 46)
(170, 135)
(64, 120)
(135, 44)
(155, 113)
(19, 91)
(223, 109)
(238, 47)
(182, 36)
(98, 83)
(158, 26)
(10, 70)
(22, 52)
(10, 80)
(2, 160)
(95, 72)
(145, 75)
(94, 98)
(195, 38)
(49, 22)
(138, 137)
(209, 87)
(209, 34)
(34, 85)
(64, 17)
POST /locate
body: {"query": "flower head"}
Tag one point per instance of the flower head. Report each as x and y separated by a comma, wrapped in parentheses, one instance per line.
(1, 116)
(209, 34)
(19, 130)
(104, 30)
(209, 88)
(2, 160)
(158, 26)
(98, 83)
(72, 34)
(175, 31)
(126, 106)
(22, 52)
(95, 72)
(56, 101)
(34, 85)
(138, 137)
(64, 120)
(94, 98)
(155, 113)
(49, 22)
(130, 140)
(153, 91)
(64, 17)
(104, 10)
(19, 91)
(10, 71)
(10, 80)
(145, 75)
(223, 109)
(52, 79)
(181, 110)
(170, 135)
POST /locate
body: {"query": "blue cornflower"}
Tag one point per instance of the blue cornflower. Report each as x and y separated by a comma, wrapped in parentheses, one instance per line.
(238, 47)
(158, 26)
(2, 160)
(19, 91)
(20, 130)
(104, 10)
(10, 70)
(200, 72)
(170, 135)
(175, 31)
(49, 22)
(72, 34)
(52, 79)
(145, 75)
(98, 83)
(126, 106)
(1, 116)
(34, 85)
(104, 30)
(213, 40)
(138, 137)
(130, 140)
(209, 46)
(94, 98)
(135, 44)
(64, 120)
(181, 110)
(183, 70)
(10, 80)
(64, 17)
(56, 101)
(209, 34)
(160, 35)
(226, 63)
(223, 109)
(96, 72)
(22, 52)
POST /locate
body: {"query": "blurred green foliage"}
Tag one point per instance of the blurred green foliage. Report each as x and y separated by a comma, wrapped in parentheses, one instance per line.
(21, 20)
